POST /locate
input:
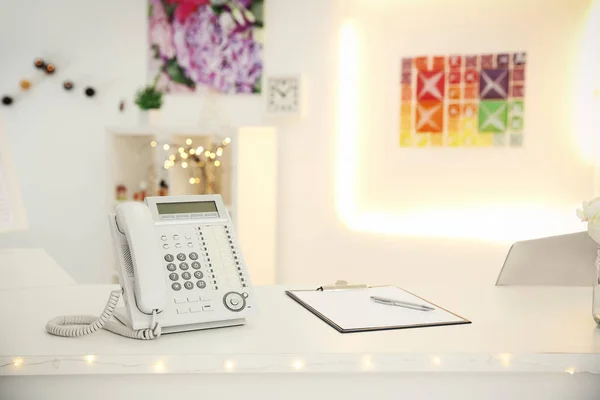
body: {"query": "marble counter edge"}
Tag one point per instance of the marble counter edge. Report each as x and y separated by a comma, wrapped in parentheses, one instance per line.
(98, 364)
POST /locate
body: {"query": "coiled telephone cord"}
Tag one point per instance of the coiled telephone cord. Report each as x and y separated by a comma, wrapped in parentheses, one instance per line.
(81, 325)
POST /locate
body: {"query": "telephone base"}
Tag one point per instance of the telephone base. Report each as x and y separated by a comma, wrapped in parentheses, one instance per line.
(121, 315)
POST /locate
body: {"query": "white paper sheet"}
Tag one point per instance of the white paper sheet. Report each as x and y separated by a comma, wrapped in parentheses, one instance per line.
(12, 211)
(353, 309)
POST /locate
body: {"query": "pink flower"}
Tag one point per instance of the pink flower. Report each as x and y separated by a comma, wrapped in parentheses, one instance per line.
(161, 31)
(186, 7)
(215, 52)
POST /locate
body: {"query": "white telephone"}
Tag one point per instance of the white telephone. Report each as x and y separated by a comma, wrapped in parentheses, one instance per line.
(180, 269)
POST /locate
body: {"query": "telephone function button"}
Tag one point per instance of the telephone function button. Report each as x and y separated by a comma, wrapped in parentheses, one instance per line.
(169, 258)
(188, 285)
(234, 301)
(180, 300)
(188, 237)
(163, 237)
(181, 257)
(176, 237)
(193, 256)
(171, 267)
(198, 275)
(186, 275)
(190, 244)
(176, 286)
(173, 276)
(196, 265)
(178, 245)
(166, 246)
(245, 295)
(184, 266)
(201, 284)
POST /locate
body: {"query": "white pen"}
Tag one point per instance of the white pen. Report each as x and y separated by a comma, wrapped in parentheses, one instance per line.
(398, 303)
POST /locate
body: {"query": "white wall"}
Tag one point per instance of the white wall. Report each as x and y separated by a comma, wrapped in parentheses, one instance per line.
(103, 43)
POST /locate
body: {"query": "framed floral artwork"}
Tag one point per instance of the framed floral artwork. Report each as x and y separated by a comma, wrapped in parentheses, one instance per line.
(217, 44)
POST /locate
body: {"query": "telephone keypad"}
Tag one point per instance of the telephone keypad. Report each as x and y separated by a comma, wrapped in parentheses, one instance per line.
(215, 260)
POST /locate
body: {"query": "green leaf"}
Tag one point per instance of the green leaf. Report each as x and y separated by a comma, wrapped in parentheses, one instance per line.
(150, 9)
(177, 74)
(257, 9)
(169, 9)
(257, 88)
(155, 51)
(148, 98)
(218, 9)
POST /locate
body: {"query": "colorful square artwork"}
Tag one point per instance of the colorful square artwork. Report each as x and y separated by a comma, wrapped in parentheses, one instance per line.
(493, 83)
(492, 116)
(430, 117)
(430, 85)
(456, 100)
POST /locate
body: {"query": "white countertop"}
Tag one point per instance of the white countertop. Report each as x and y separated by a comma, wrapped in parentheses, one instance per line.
(513, 329)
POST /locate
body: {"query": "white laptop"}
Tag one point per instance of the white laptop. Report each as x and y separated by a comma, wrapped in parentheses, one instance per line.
(564, 260)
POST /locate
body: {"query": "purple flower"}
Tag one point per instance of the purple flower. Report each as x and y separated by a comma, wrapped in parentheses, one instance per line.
(160, 31)
(212, 50)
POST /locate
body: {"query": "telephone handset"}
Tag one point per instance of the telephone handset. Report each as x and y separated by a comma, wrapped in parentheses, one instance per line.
(180, 269)
(135, 222)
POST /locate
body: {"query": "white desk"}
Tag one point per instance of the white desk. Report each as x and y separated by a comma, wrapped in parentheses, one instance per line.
(534, 343)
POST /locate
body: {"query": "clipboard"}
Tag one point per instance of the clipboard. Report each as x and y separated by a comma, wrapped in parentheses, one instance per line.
(349, 309)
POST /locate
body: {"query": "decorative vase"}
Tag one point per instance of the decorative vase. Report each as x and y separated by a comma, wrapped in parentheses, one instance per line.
(152, 117)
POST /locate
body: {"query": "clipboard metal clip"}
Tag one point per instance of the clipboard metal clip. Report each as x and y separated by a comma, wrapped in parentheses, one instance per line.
(342, 285)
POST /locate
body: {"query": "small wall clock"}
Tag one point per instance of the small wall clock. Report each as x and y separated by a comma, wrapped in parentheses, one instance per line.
(283, 95)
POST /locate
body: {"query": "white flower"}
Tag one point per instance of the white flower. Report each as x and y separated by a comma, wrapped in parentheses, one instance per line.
(590, 211)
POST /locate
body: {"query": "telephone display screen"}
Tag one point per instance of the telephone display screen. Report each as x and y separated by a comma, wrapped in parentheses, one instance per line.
(186, 208)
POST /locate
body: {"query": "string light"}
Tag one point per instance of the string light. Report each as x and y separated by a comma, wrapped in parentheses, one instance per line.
(172, 157)
(17, 362)
(505, 359)
(229, 365)
(171, 163)
(197, 180)
(192, 151)
(220, 151)
(183, 155)
(184, 165)
(181, 149)
(192, 181)
(159, 366)
(436, 361)
(212, 156)
(226, 141)
(570, 371)
(298, 364)
(166, 147)
(217, 163)
(90, 358)
(199, 149)
(207, 153)
(188, 141)
(153, 143)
